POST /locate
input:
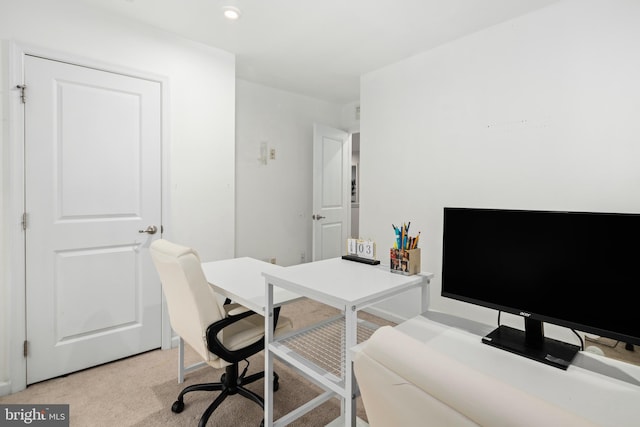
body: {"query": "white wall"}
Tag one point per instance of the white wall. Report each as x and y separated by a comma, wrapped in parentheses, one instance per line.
(351, 117)
(541, 112)
(274, 201)
(201, 112)
(4, 292)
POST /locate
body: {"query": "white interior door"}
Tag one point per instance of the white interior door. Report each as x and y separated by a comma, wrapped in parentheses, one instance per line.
(331, 191)
(92, 181)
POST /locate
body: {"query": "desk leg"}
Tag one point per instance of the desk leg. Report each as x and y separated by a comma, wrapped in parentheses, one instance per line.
(350, 330)
(424, 303)
(268, 356)
(180, 360)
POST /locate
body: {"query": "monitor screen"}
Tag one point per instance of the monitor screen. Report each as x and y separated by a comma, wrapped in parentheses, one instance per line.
(575, 269)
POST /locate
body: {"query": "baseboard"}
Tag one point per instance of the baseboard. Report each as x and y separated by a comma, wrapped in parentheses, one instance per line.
(5, 388)
(175, 341)
(386, 315)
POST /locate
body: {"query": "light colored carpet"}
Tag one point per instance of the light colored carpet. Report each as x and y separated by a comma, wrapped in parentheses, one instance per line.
(139, 390)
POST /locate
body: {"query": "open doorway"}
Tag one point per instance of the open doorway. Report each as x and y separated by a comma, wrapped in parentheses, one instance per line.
(355, 185)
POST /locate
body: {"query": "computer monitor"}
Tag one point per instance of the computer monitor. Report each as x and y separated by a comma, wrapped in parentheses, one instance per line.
(580, 270)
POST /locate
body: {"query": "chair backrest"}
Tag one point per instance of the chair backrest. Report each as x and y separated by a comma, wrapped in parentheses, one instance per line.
(191, 301)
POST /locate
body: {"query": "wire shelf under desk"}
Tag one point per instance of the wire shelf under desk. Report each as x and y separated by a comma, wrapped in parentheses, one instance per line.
(322, 346)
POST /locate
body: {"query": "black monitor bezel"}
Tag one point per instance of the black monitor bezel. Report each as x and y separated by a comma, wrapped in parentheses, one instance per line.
(523, 311)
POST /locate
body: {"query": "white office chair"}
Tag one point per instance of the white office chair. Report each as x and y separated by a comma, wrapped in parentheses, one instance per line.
(222, 335)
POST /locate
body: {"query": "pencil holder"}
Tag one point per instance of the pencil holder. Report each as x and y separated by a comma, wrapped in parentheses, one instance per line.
(405, 261)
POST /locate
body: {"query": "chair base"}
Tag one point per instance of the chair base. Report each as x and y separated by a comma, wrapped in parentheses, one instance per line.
(230, 383)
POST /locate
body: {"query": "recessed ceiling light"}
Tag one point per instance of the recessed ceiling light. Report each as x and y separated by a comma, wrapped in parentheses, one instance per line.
(231, 12)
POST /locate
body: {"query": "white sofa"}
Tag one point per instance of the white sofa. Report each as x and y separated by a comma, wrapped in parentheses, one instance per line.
(405, 383)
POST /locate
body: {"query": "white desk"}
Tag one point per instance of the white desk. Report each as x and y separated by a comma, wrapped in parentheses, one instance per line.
(603, 390)
(240, 280)
(348, 286)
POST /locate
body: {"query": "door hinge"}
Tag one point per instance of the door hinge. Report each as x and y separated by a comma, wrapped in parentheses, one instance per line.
(24, 221)
(25, 348)
(23, 96)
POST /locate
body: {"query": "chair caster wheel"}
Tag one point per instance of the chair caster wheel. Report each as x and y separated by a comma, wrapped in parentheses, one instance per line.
(177, 406)
(262, 423)
(223, 378)
(276, 386)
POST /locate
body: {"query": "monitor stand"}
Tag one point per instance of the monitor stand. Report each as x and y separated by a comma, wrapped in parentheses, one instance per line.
(532, 344)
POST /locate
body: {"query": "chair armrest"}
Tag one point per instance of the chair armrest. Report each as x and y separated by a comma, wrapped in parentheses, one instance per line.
(215, 345)
(237, 310)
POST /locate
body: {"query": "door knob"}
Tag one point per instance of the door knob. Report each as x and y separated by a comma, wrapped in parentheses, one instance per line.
(318, 217)
(152, 229)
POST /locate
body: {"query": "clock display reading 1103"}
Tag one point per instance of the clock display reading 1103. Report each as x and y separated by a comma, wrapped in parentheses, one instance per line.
(361, 248)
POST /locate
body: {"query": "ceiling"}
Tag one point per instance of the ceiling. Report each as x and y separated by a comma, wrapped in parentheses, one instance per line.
(320, 48)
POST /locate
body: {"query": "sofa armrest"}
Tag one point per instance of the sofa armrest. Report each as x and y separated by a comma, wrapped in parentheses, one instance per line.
(402, 374)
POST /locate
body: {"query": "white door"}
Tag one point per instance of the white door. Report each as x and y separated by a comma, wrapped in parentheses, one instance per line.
(92, 181)
(331, 191)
